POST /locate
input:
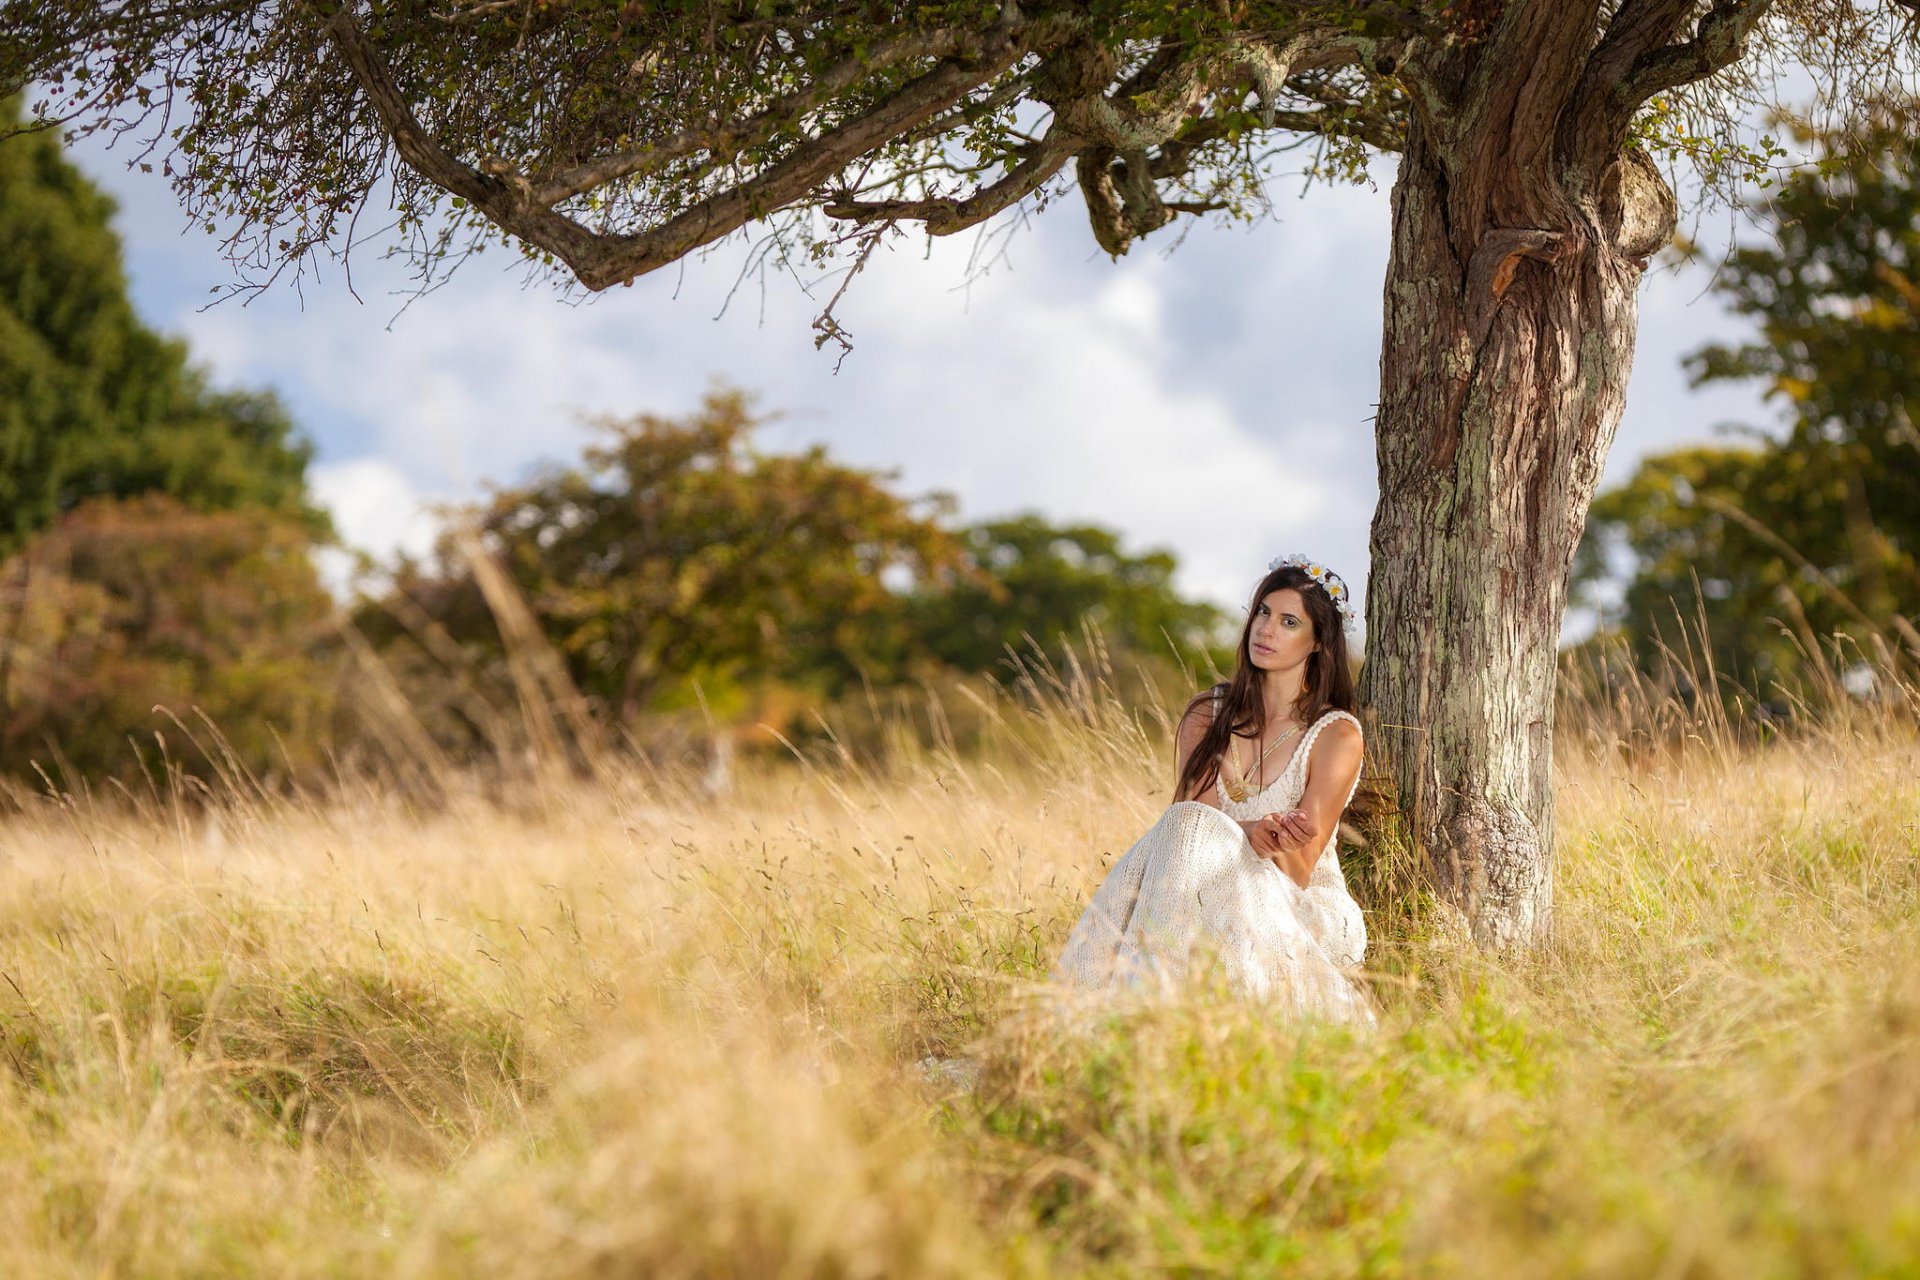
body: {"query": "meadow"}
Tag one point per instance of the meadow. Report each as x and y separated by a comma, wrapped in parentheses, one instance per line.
(595, 1026)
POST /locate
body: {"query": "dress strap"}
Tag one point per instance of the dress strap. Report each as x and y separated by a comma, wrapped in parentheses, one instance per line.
(1306, 745)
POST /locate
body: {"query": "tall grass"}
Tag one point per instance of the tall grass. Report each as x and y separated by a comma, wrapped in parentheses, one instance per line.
(606, 1024)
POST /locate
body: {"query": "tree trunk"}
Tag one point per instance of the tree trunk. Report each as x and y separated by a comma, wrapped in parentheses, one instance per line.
(1510, 316)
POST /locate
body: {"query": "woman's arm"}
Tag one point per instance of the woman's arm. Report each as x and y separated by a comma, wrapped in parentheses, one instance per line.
(1301, 833)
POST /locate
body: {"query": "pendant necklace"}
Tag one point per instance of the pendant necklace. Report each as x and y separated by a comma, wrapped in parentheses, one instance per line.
(1238, 789)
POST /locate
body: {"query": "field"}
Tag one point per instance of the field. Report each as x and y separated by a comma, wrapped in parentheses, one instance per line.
(566, 1027)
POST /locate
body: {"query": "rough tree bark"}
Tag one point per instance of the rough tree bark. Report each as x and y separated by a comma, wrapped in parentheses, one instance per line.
(1511, 308)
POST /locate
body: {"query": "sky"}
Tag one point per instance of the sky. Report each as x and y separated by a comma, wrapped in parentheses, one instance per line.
(1208, 393)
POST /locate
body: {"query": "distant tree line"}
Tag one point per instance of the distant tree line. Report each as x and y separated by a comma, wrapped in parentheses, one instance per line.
(154, 532)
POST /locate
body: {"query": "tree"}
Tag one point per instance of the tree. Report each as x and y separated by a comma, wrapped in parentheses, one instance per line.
(1039, 581)
(94, 403)
(1705, 530)
(678, 555)
(613, 138)
(125, 615)
(1817, 528)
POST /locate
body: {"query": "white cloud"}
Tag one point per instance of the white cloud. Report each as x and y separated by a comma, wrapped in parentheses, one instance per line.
(375, 507)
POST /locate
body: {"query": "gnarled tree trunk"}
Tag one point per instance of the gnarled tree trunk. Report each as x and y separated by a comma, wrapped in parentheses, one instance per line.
(1510, 316)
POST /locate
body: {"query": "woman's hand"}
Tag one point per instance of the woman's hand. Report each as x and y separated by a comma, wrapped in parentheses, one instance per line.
(1293, 830)
(1262, 835)
(1279, 833)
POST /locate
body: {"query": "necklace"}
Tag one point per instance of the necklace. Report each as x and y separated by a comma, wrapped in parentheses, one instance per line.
(1238, 789)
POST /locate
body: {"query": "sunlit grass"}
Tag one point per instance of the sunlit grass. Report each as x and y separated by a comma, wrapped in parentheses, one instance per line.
(582, 1028)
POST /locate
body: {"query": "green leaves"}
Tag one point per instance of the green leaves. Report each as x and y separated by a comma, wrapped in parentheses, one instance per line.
(1036, 582)
(681, 572)
(1816, 531)
(92, 402)
(676, 552)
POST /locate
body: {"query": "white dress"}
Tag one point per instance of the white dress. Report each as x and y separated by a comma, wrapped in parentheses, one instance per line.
(1193, 898)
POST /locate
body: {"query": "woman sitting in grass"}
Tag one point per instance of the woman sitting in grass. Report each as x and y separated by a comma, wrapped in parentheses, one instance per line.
(1241, 870)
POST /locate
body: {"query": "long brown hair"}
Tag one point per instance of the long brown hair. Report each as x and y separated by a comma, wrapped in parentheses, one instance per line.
(1328, 685)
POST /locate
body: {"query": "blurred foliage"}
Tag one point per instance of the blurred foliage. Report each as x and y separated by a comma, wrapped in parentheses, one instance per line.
(675, 563)
(126, 615)
(1034, 585)
(92, 402)
(1779, 544)
(686, 579)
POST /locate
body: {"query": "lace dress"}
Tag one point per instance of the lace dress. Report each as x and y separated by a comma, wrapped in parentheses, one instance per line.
(1191, 897)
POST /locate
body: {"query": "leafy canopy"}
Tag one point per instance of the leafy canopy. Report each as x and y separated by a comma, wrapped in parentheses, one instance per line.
(612, 137)
(1034, 582)
(677, 555)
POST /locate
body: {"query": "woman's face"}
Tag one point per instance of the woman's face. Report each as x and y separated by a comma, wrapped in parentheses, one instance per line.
(1282, 634)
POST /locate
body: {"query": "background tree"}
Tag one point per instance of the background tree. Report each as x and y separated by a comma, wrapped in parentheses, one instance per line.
(614, 138)
(142, 610)
(1040, 582)
(677, 562)
(679, 569)
(1815, 531)
(94, 403)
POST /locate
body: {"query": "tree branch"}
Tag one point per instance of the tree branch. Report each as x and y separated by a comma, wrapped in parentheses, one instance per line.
(1638, 28)
(794, 177)
(729, 140)
(1153, 107)
(504, 198)
(945, 216)
(1717, 42)
(1638, 58)
(508, 199)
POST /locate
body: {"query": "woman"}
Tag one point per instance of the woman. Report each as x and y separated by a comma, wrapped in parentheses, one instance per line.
(1240, 874)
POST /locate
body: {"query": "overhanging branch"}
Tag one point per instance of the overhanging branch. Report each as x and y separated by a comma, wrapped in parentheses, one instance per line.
(1127, 139)
(808, 168)
(505, 198)
(945, 216)
(1717, 43)
(725, 142)
(508, 199)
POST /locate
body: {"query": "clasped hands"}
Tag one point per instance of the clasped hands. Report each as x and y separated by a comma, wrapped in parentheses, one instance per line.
(1279, 833)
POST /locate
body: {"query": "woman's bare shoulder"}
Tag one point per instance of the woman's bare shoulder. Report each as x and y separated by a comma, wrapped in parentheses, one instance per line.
(1339, 736)
(1342, 726)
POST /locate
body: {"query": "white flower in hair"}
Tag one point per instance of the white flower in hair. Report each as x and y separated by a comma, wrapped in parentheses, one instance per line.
(1332, 583)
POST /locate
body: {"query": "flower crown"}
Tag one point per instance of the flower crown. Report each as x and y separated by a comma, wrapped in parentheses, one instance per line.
(1332, 583)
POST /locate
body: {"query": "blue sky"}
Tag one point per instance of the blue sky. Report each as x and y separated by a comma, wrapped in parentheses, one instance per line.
(1212, 397)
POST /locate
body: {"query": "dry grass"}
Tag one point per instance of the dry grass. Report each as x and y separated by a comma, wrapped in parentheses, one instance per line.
(616, 1029)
